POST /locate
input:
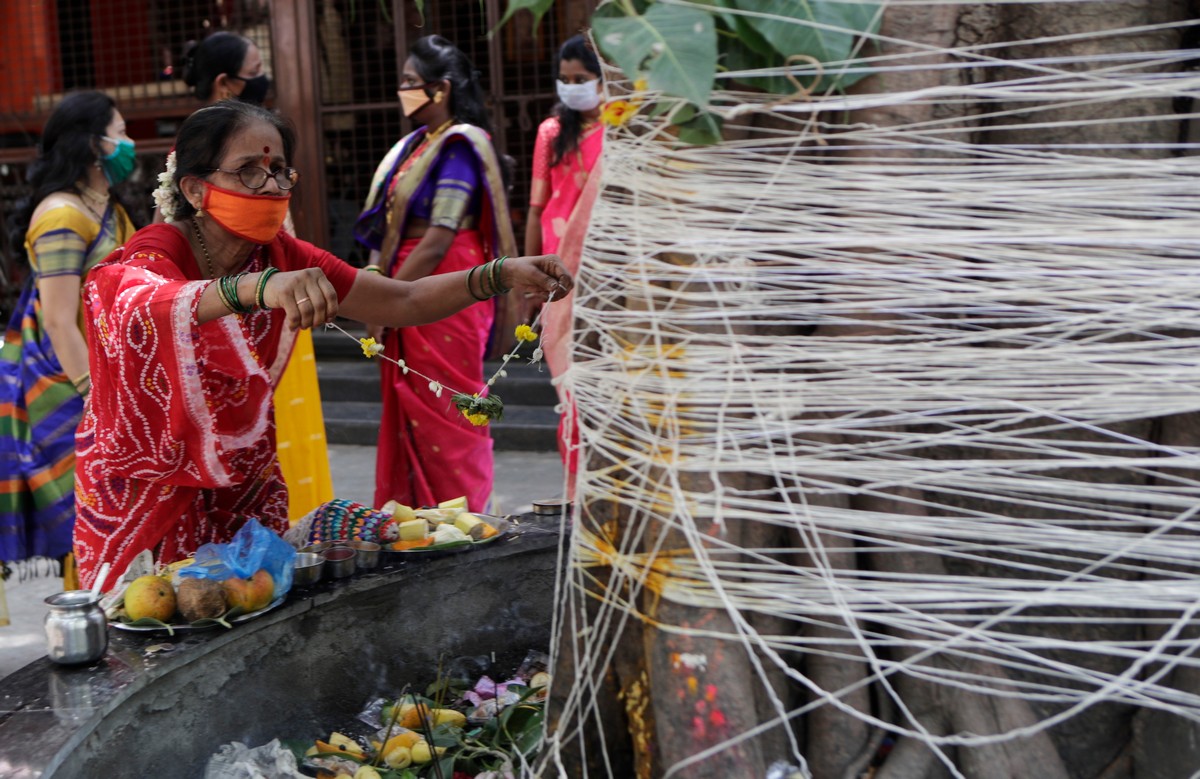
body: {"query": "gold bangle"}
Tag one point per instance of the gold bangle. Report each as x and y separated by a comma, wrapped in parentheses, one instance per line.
(83, 383)
(374, 269)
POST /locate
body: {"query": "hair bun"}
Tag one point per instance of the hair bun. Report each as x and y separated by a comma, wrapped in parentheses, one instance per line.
(187, 62)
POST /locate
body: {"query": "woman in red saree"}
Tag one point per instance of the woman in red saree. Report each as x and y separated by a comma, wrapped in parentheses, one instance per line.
(436, 205)
(189, 325)
(566, 166)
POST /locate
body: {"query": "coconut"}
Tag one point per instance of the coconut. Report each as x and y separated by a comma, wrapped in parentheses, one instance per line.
(200, 599)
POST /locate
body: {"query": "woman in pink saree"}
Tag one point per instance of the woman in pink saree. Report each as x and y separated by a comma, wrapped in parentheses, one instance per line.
(566, 165)
(436, 205)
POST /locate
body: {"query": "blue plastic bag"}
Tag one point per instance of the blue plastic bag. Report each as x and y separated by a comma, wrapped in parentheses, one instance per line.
(252, 548)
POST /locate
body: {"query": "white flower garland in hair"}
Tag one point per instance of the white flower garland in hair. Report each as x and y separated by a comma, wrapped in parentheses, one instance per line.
(164, 196)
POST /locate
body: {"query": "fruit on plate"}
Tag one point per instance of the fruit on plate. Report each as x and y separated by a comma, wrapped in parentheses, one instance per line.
(454, 503)
(366, 772)
(413, 530)
(399, 511)
(150, 596)
(250, 594)
(446, 534)
(403, 546)
(475, 527)
(200, 599)
(340, 744)
(439, 516)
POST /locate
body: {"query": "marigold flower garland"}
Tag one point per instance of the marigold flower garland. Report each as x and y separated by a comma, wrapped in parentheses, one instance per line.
(477, 408)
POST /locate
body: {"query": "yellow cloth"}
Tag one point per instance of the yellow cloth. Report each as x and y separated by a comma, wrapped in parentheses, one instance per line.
(300, 431)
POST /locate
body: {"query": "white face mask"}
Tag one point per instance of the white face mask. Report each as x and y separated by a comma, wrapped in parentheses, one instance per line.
(580, 97)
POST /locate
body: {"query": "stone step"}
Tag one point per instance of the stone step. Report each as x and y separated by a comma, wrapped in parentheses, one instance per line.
(523, 428)
(358, 380)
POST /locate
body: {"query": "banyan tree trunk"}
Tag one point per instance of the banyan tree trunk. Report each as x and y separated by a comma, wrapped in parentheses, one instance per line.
(658, 671)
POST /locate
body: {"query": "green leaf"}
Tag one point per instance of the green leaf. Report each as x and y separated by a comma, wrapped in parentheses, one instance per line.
(676, 47)
(702, 130)
(796, 32)
(737, 57)
(537, 7)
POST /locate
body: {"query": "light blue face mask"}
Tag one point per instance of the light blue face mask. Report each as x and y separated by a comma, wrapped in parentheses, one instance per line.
(119, 163)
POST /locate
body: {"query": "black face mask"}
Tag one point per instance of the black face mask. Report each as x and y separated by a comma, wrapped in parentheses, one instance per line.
(255, 89)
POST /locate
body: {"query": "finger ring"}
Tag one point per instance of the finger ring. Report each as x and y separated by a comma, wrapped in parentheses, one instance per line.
(301, 300)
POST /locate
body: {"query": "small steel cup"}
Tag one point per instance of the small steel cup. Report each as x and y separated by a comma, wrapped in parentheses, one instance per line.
(367, 553)
(339, 561)
(308, 567)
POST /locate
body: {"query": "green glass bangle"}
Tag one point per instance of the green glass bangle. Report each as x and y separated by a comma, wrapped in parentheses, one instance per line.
(231, 292)
(221, 294)
(260, 289)
(471, 273)
(491, 266)
(500, 276)
(374, 269)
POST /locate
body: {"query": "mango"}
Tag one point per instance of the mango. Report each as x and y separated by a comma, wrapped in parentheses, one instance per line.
(150, 596)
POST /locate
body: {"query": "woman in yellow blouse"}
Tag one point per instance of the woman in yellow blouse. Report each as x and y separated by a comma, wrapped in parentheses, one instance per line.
(70, 223)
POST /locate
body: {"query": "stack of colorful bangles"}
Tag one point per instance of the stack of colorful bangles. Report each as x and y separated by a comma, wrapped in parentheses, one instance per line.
(488, 279)
(227, 290)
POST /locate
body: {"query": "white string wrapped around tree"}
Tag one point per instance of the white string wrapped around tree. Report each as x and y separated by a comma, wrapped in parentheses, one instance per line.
(887, 407)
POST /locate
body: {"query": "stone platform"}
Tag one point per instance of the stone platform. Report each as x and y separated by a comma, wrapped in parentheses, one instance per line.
(160, 706)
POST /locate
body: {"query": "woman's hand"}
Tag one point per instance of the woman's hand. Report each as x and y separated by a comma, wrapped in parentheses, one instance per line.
(537, 278)
(306, 295)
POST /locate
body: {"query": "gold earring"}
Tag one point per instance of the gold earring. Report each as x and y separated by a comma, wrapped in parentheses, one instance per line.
(437, 97)
(199, 213)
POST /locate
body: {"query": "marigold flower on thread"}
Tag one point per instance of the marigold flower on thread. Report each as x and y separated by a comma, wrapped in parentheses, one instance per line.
(617, 113)
(479, 410)
(369, 347)
(525, 333)
(478, 419)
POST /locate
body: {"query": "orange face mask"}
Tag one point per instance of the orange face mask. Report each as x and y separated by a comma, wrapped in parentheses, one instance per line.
(257, 218)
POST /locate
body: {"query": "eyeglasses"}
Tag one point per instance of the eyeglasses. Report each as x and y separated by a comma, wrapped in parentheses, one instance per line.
(254, 177)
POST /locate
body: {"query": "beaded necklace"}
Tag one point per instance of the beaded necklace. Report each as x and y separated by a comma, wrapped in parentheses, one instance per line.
(212, 274)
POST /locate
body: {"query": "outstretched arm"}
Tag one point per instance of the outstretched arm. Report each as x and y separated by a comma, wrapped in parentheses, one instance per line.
(376, 299)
